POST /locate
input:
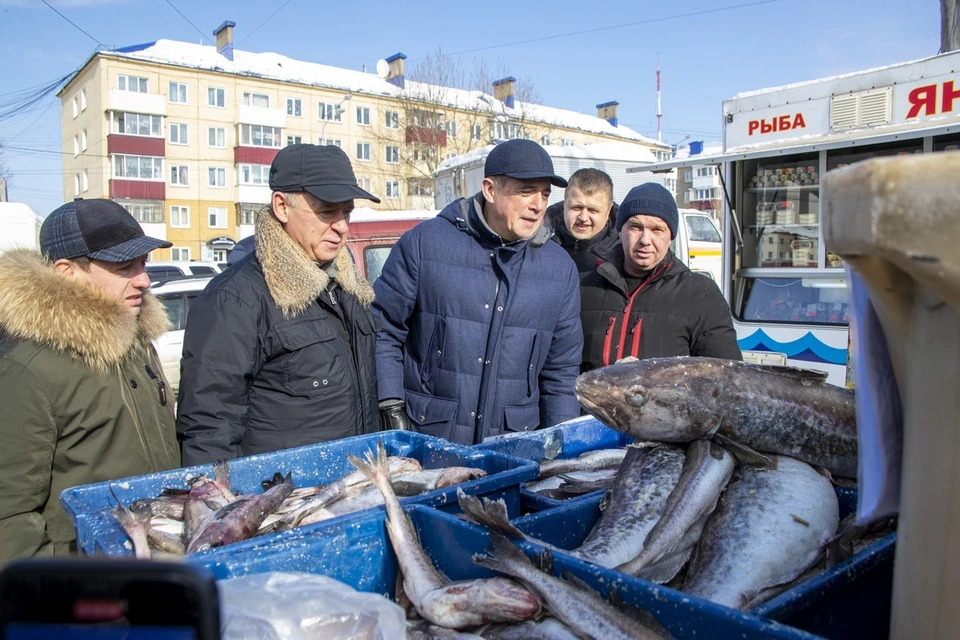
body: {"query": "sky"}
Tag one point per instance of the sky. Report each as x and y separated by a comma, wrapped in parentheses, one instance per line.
(575, 54)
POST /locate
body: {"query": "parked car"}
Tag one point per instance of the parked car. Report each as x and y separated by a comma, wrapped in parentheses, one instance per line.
(176, 296)
(166, 269)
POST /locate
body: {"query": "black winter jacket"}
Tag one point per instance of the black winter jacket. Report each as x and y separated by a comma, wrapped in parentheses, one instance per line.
(675, 312)
(267, 364)
(587, 254)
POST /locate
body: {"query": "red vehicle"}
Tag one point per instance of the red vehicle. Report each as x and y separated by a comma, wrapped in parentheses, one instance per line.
(373, 234)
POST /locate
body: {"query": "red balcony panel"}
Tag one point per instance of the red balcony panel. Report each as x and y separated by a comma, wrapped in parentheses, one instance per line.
(135, 145)
(254, 155)
(140, 189)
(426, 135)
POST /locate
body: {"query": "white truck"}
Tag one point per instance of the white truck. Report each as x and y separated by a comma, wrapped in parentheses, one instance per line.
(19, 226)
(786, 289)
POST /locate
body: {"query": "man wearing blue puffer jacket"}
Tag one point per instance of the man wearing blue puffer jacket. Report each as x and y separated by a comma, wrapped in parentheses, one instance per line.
(479, 313)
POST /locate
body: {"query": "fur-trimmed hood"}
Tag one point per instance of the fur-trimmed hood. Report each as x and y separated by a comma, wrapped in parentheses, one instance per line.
(293, 279)
(38, 304)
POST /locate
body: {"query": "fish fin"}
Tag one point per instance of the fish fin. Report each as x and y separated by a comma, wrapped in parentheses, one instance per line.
(571, 486)
(605, 500)
(643, 444)
(667, 567)
(489, 513)
(375, 468)
(221, 473)
(501, 554)
(804, 376)
(745, 454)
(581, 584)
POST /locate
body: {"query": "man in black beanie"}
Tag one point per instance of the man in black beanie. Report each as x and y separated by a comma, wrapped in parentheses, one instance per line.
(644, 302)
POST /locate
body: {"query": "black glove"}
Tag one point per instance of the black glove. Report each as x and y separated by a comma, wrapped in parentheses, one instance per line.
(393, 415)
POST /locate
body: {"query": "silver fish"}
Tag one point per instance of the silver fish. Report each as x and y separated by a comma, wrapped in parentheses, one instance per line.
(546, 629)
(206, 496)
(769, 409)
(588, 461)
(418, 482)
(455, 605)
(769, 527)
(136, 527)
(581, 610)
(706, 471)
(595, 479)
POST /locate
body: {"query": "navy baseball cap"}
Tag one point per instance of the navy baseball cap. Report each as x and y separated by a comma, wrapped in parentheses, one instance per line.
(324, 172)
(523, 160)
(99, 229)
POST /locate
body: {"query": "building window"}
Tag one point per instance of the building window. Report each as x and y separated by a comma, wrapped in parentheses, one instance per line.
(451, 154)
(329, 111)
(76, 146)
(217, 137)
(217, 217)
(215, 97)
(393, 189)
(76, 107)
(364, 183)
(256, 99)
(179, 217)
(363, 151)
(136, 84)
(248, 213)
(567, 142)
(393, 155)
(142, 212)
(363, 116)
(392, 120)
(83, 99)
(325, 142)
(83, 140)
(138, 167)
(420, 186)
(179, 176)
(138, 124)
(85, 181)
(476, 132)
(294, 140)
(178, 93)
(256, 135)
(294, 107)
(217, 177)
(178, 134)
(180, 254)
(254, 174)
(76, 184)
(452, 128)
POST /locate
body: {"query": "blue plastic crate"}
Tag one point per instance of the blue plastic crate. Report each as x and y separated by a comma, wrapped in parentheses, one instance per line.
(98, 531)
(566, 440)
(358, 552)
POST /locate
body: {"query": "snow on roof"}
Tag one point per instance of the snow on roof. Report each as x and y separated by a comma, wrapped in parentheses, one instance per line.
(17, 211)
(615, 151)
(279, 67)
(709, 148)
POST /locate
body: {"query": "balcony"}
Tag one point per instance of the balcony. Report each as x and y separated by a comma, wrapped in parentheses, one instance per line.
(138, 189)
(135, 145)
(426, 136)
(129, 101)
(253, 193)
(254, 155)
(261, 115)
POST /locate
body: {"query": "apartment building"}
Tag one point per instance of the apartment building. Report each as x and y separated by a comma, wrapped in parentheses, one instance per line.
(183, 135)
(699, 187)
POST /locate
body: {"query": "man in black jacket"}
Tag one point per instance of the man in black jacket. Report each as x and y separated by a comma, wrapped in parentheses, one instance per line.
(279, 350)
(583, 222)
(644, 302)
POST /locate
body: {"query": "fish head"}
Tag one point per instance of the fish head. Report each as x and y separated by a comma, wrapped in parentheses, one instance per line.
(496, 599)
(661, 399)
(401, 464)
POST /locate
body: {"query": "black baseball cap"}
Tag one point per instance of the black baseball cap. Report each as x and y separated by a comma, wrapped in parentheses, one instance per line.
(523, 160)
(99, 229)
(324, 172)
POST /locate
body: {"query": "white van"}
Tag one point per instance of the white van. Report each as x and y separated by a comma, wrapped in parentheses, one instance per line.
(698, 244)
(169, 269)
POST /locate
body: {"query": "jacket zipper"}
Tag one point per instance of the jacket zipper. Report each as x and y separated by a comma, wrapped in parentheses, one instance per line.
(607, 340)
(626, 316)
(635, 347)
(484, 368)
(161, 386)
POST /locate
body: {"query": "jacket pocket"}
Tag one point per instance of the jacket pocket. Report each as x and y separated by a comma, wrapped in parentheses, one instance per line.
(434, 353)
(313, 362)
(533, 365)
(521, 417)
(432, 415)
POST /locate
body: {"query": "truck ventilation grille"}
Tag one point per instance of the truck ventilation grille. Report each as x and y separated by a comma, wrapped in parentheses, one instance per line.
(870, 108)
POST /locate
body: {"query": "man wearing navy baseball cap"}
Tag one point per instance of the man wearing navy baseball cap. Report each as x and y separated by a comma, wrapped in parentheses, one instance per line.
(644, 302)
(278, 351)
(82, 390)
(479, 313)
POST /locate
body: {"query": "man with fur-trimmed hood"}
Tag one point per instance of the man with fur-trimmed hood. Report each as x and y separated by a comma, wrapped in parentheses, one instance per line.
(279, 350)
(82, 393)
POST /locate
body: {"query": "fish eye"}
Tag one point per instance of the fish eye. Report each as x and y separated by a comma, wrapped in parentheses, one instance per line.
(636, 396)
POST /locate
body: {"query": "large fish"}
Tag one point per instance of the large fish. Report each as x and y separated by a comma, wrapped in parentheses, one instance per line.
(779, 410)
(455, 605)
(769, 527)
(587, 461)
(206, 496)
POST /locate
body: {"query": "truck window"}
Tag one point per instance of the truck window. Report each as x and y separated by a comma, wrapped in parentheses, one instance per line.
(701, 229)
(373, 259)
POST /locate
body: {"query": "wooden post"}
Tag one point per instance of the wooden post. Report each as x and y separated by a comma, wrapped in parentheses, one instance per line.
(896, 221)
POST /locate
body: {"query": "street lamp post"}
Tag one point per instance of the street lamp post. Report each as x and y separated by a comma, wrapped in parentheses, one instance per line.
(337, 111)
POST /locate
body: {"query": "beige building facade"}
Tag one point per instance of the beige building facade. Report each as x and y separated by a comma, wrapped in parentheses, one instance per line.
(183, 135)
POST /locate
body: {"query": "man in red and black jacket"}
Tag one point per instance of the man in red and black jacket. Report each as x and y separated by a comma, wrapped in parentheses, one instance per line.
(644, 302)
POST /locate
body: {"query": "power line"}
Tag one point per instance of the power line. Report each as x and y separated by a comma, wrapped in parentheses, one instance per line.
(74, 24)
(270, 17)
(607, 28)
(188, 20)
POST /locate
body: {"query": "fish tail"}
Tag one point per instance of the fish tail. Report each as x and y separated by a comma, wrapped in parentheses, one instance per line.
(489, 513)
(221, 473)
(503, 556)
(376, 469)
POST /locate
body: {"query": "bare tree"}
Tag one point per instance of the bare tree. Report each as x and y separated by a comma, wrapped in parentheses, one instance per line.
(949, 25)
